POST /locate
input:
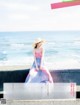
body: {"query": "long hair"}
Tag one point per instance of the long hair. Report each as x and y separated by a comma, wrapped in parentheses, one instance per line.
(35, 46)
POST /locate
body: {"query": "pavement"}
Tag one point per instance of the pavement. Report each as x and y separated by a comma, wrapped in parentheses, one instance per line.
(43, 102)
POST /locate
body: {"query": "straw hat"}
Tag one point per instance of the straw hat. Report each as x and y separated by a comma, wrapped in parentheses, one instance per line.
(38, 40)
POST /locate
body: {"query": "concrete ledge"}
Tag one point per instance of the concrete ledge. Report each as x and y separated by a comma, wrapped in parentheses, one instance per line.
(43, 102)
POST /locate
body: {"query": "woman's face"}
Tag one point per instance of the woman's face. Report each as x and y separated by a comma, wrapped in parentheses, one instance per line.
(39, 45)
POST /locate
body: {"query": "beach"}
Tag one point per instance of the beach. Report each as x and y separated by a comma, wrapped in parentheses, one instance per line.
(56, 65)
(15, 67)
(50, 66)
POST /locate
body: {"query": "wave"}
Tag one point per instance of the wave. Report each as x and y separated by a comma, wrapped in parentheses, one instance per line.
(77, 43)
(16, 45)
(3, 55)
(21, 45)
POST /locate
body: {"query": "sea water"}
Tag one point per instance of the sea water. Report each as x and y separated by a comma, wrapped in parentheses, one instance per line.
(61, 48)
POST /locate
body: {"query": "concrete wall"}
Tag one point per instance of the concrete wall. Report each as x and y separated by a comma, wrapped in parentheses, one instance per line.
(18, 76)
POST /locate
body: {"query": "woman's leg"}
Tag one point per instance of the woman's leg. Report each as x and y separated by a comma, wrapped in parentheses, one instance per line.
(46, 71)
(28, 78)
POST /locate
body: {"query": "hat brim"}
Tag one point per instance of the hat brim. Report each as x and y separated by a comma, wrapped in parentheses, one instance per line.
(42, 41)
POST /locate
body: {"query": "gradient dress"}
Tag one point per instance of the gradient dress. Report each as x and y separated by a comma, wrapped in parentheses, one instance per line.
(38, 76)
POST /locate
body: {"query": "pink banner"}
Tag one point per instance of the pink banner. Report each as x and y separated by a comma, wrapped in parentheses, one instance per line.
(64, 4)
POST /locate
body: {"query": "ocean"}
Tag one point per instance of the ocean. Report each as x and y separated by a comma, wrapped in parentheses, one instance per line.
(62, 48)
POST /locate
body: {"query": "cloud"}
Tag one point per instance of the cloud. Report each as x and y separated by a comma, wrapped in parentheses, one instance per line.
(18, 16)
(17, 5)
(37, 15)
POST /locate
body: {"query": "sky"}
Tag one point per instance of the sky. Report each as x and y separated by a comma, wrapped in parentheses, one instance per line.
(37, 15)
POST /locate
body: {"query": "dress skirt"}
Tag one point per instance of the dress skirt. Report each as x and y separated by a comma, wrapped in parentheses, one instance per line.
(37, 76)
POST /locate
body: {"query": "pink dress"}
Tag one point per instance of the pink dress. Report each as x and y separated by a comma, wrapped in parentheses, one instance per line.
(38, 76)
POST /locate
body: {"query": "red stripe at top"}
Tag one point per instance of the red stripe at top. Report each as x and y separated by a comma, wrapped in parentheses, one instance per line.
(64, 4)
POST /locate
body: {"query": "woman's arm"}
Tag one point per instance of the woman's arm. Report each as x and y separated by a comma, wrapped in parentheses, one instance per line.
(42, 57)
(35, 59)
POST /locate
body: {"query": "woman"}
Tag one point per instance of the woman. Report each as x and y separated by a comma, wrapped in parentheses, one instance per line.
(38, 72)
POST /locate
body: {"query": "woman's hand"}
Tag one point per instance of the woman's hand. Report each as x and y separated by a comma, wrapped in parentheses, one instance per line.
(37, 68)
(40, 68)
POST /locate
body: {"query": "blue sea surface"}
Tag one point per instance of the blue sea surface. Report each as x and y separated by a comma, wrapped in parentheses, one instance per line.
(60, 46)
